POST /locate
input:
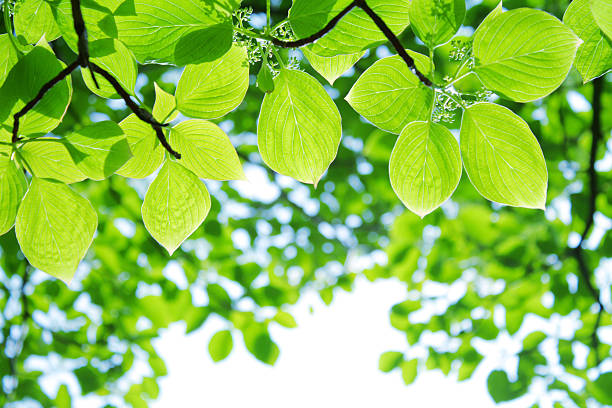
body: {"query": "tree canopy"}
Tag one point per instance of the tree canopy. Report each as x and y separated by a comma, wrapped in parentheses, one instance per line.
(461, 149)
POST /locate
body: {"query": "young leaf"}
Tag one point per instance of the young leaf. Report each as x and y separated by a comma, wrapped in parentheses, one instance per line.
(602, 13)
(594, 57)
(389, 360)
(258, 342)
(220, 345)
(8, 57)
(436, 21)
(390, 96)
(23, 84)
(55, 227)
(502, 157)
(13, 186)
(164, 109)
(331, 68)
(176, 31)
(299, 127)
(147, 152)
(33, 19)
(425, 166)
(175, 205)
(212, 89)
(49, 158)
(99, 150)
(355, 32)
(285, 320)
(524, 54)
(206, 150)
(265, 79)
(114, 57)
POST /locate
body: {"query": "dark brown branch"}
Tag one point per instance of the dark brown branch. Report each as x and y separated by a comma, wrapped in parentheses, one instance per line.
(41, 94)
(382, 26)
(393, 40)
(83, 43)
(314, 37)
(141, 113)
(578, 252)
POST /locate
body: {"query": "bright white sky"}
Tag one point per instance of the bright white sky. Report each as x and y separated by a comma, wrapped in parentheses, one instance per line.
(330, 360)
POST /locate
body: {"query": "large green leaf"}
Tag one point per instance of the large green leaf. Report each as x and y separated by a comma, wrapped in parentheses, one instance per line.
(331, 68)
(99, 150)
(24, 82)
(220, 345)
(33, 19)
(436, 21)
(177, 31)
(425, 166)
(8, 57)
(594, 57)
(147, 152)
(524, 54)
(206, 150)
(501, 389)
(115, 58)
(601, 388)
(55, 227)
(355, 32)
(390, 96)
(175, 205)
(258, 342)
(49, 158)
(602, 12)
(13, 186)
(212, 89)
(502, 157)
(299, 127)
(99, 20)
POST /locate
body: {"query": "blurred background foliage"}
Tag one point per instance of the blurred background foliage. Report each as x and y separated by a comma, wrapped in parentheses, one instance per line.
(477, 275)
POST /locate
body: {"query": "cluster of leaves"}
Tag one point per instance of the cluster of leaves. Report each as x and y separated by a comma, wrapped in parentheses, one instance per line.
(299, 132)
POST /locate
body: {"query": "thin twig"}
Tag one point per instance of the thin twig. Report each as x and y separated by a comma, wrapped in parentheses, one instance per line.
(83, 42)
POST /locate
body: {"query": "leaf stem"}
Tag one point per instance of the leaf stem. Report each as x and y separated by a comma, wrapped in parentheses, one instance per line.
(8, 25)
(268, 14)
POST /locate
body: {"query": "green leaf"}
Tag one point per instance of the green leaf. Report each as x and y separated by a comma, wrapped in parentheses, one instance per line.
(533, 340)
(23, 84)
(8, 57)
(602, 12)
(285, 320)
(390, 96)
(114, 57)
(147, 152)
(436, 21)
(501, 389)
(49, 158)
(99, 21)
(331, 68)
(99, 150)
(55, 227)
(265, 79)
(62, 399)
(206, 150)
(390, 360)
(177, 31)
(409, 370)
(594, 57)
(164, 109)
(299, 127)
(220, 345)
(13, 186)
(212, 89)
(601, 388)
(33, 19)
(258, 342)
(524, 54)
(355, 32)
(425, 166)
(502, 157)
(175, 205)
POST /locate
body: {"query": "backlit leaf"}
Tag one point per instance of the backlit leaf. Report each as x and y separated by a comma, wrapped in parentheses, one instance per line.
(331, 68)
(13, 186)
(147, 152)
(220, 345)
(436, 21)
(49, 158)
